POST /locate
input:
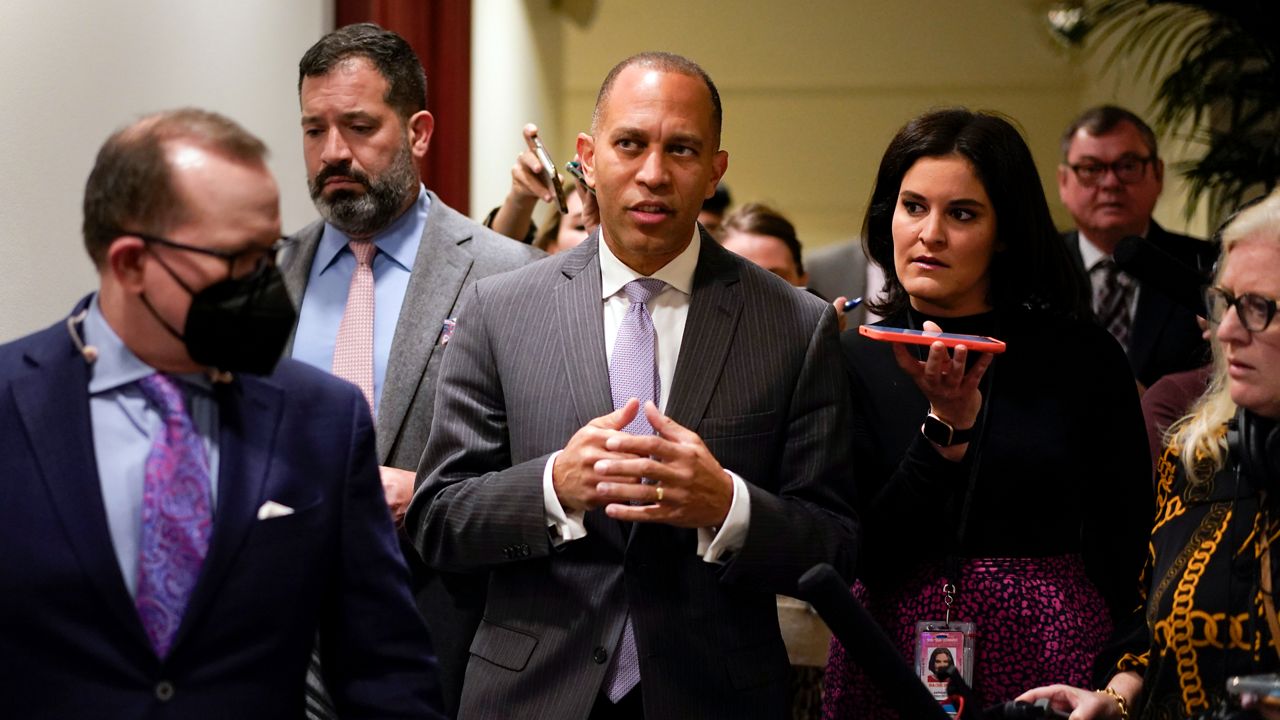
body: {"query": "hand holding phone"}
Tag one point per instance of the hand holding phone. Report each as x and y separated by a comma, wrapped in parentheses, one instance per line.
(980, 343)
(549, 173)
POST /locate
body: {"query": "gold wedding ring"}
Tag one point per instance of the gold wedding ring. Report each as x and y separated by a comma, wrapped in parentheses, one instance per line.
(658, 488)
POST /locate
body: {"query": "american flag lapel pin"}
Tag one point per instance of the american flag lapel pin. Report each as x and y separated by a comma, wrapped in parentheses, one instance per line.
(446, 331)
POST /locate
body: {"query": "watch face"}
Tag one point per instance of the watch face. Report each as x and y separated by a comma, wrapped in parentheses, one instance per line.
(937, 431)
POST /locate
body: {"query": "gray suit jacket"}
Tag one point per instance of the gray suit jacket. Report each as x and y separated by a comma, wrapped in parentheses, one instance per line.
(839, 270)
(758, 378)
(454, 252)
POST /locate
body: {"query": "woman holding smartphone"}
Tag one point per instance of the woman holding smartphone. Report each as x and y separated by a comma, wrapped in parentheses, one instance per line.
(1210, 580)
(1011, 492)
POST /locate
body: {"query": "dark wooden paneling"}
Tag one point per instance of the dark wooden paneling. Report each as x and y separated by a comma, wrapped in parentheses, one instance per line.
(440, 33)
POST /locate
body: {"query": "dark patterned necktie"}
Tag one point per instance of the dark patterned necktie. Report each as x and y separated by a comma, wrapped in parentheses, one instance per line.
(633, 373)
(176, 516)
(1112, 299)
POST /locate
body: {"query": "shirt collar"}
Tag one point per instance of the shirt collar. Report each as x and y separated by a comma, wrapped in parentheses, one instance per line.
(398, 241)
(1090, 255)
(678, 273)
(116, 365)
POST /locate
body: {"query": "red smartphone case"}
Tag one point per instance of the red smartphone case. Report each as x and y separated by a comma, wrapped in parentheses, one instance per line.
(979, 343)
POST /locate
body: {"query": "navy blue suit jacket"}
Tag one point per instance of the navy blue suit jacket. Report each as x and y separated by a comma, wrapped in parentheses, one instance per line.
(1164, 337)
(71, 643)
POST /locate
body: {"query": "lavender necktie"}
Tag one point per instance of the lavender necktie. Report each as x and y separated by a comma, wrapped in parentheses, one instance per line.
(176, 516)
(633, 373)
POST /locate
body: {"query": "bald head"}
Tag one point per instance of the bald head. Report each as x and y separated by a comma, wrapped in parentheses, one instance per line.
(664, 62)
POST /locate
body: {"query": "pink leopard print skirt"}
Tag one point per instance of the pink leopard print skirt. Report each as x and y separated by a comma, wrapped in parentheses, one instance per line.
(1039, 621)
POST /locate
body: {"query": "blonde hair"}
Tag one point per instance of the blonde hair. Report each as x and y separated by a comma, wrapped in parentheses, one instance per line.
(1200, 435)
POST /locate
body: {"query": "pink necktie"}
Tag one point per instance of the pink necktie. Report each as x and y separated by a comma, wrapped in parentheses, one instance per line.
(176, 516)
(353, 352)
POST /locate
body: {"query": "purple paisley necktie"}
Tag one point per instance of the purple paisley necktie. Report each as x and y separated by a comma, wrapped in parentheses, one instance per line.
(176, 516)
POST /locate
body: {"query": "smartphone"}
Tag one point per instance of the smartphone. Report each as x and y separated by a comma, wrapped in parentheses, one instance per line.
(549, 172)
(980, 343)
(575, 169)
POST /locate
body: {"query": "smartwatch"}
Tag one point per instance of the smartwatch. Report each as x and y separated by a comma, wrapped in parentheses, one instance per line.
(941, 433)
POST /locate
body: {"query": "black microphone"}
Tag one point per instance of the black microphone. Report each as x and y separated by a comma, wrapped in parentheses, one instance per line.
(1157, 269)
(865, 642)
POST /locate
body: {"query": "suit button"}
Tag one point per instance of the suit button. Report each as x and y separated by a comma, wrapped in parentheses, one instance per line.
(524, 551)
(599, 655)
(164, 691)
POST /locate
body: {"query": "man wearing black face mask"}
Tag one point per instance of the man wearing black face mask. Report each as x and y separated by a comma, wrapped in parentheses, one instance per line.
(180, 515)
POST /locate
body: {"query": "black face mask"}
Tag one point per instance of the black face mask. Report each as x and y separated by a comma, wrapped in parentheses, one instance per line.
(239, 324)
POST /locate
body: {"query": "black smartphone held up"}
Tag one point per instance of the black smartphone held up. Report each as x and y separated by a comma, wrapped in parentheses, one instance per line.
(549, 173)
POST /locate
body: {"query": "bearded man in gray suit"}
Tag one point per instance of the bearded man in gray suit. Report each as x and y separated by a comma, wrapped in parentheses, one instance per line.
(378, 281)
(633, 550)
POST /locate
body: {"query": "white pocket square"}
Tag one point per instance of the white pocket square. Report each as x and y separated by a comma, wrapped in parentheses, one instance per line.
(272, 509)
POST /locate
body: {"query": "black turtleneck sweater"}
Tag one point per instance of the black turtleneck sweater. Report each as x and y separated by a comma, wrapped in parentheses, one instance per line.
(1063, 467)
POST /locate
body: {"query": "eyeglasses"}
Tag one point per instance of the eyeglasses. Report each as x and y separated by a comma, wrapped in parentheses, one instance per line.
(1128, 170)
(1255, 312)
(239, 263)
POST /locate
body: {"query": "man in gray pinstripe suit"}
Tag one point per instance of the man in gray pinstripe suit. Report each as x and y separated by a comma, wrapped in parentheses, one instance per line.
(633, 572)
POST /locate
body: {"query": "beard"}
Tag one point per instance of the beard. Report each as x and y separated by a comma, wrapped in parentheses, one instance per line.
(361, 214)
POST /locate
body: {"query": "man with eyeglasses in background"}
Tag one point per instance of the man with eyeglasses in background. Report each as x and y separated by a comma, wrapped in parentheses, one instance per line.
(1110, 179)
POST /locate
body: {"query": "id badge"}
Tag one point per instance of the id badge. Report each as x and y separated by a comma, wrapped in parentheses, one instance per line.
(940, 647)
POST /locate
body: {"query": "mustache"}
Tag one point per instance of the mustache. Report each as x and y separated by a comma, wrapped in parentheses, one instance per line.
(342, 169)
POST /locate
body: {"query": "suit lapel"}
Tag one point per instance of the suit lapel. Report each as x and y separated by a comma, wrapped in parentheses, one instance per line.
(1150, 316)
(714, 309)
(580, 327)
(249, 412)
(54, 409)
(435, 282)
(296, 269)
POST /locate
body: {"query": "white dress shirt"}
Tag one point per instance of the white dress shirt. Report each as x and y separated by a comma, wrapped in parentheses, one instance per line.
(670, 310)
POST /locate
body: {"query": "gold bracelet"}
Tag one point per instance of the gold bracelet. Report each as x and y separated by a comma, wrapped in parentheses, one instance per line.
(1124, 704)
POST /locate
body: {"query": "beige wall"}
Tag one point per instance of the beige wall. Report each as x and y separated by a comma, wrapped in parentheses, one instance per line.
(814, 90)
(75, 70)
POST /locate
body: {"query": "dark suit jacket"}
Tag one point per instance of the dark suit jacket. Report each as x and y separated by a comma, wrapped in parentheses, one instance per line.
(71, 643)
(758, 378)
(1164, 337)
(454, 252)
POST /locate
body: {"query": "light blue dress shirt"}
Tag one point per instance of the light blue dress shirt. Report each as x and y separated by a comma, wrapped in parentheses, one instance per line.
(124, 427)
(330, 279)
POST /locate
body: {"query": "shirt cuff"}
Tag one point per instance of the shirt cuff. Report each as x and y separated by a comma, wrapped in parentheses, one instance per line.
(715, 544)
(562, 527)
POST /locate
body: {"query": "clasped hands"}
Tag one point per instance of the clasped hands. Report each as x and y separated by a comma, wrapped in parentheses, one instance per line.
(602, 466)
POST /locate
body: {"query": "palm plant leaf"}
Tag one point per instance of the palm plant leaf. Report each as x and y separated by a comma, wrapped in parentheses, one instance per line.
(1215, 62)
